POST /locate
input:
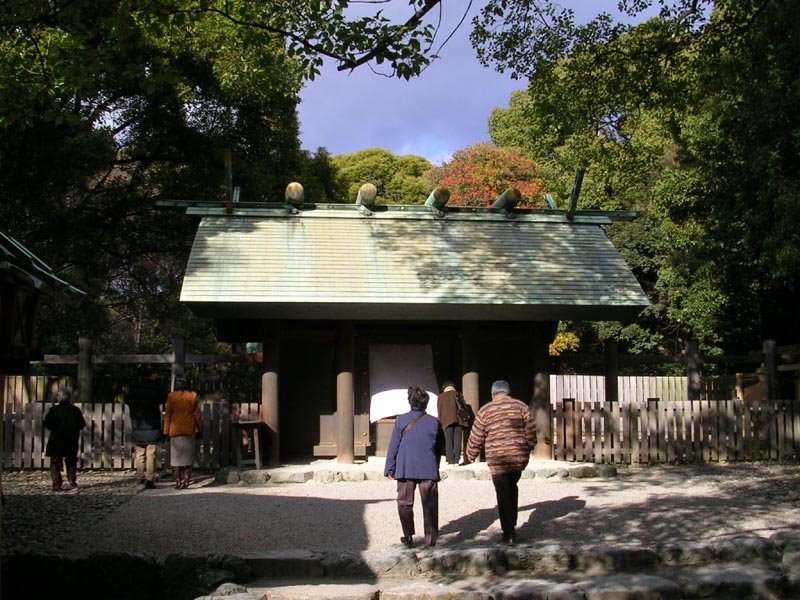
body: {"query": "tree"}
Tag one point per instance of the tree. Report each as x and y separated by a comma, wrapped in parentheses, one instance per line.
(320, 178)
(107, 107)
(695, 127)
(399, 179)
(478, 174)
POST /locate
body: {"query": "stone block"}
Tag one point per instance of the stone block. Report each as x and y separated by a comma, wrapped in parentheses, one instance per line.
(327, 476)
(535, 589)
(686, 553)
(741, 581)
(391, 563)
(606, 471)
(747, 549)
(470, 561)
(630, 587)
(582, 471)
(287, 563)
(352, 476)
(528, 474)
(546, 472)
(425, 590)
(190, 576)
(255, 477)
(540, 560)
(320, 591)
(227, 476)
(344, 565)
(374, 476)
(291, 476)
(605, 559)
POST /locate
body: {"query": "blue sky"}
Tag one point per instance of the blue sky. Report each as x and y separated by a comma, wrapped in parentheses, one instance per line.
(443, 110)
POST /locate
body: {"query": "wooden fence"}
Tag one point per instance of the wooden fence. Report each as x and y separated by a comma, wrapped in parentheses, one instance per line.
(653, 422)
(105, 442)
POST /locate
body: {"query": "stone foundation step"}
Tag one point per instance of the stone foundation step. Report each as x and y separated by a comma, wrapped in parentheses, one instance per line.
(739, 582)
(529, 559)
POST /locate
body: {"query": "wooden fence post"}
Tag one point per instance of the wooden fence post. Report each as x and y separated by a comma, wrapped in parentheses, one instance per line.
(84, 371)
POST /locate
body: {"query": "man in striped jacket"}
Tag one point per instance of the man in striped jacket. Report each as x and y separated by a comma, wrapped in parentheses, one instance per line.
(507, 430)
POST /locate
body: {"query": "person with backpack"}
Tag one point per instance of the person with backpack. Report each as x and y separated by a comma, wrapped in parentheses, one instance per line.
(145, 400)
(454, 418)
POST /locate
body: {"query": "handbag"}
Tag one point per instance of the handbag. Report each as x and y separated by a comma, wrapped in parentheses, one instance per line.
(463, 410)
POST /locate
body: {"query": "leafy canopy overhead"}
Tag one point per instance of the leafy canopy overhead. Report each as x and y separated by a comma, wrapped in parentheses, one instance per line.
(694, 123)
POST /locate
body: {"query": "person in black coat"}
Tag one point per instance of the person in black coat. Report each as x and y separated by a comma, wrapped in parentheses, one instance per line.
(412, 460)
(145, 400)
(65, 421)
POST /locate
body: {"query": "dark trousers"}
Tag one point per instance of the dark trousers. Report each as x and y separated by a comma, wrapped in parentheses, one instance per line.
(452, 444)
(505, 486)
(57, 463)
(429, 495)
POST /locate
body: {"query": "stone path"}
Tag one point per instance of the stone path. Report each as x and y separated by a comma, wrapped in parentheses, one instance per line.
(684, 532)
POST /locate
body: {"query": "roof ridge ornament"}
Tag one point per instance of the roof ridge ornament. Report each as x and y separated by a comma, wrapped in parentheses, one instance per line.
(366, 199)
(437, 200)
(507, 201)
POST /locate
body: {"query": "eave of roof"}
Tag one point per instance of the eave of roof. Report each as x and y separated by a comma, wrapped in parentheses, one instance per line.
(21, 267)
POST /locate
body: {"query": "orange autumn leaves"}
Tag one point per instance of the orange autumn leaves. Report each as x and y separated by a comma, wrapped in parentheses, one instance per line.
(478, 174)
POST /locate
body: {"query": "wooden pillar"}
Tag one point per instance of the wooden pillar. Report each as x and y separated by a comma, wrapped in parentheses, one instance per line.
(84, 371)
(470, 357)
(611, 371)
(770, 371)
(178, 359)
(269, 390)
(693, 370)
(345, 449)
(541, 407)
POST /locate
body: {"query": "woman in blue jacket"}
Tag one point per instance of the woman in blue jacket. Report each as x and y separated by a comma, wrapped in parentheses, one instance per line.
(413, 460)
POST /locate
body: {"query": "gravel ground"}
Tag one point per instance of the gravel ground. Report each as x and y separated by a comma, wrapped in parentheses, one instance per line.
(645, 505)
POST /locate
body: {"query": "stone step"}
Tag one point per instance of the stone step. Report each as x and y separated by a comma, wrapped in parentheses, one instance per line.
(544, 560)
(329, 473)
(738, 582)
(741, 569)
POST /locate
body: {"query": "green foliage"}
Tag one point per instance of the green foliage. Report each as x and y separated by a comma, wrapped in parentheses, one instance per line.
(693, 122)
(320, 179)
(399, 179)
(107, 107)
(476, 175)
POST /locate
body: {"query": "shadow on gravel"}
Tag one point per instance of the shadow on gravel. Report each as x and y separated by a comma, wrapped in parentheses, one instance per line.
(751, 506)
(227, 523)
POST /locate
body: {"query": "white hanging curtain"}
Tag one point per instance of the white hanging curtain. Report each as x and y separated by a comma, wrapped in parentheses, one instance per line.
(393, 368)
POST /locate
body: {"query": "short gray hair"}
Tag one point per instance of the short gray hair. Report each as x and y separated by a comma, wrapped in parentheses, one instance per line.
(501, 387)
